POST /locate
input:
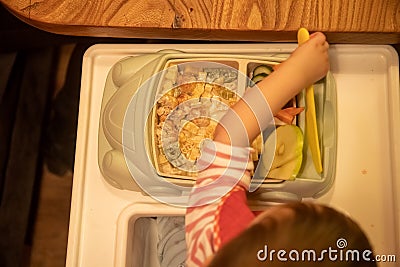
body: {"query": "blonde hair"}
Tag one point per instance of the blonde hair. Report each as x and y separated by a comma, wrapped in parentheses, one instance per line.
(309, 228)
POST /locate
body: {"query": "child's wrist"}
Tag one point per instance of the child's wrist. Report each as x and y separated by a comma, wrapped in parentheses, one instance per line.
(295, 70)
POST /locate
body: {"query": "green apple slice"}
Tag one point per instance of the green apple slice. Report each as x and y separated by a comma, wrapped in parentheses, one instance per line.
(288, 154)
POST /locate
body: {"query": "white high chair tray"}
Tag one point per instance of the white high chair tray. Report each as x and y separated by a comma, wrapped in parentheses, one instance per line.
(367, 184)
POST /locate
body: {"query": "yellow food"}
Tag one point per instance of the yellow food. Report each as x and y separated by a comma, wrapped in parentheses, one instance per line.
(197, 98)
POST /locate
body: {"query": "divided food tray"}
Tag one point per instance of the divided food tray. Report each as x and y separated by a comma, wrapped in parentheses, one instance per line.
(367, 173)
(130, 88)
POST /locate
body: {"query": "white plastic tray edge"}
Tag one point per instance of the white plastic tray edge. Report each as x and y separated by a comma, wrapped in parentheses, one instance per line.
(79, 167)
(395, 133)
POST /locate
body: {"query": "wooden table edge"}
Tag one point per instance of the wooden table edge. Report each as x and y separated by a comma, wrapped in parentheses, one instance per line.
(201, 34)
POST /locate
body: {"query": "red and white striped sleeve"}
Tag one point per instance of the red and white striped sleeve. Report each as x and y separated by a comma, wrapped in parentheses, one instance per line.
(217, 198)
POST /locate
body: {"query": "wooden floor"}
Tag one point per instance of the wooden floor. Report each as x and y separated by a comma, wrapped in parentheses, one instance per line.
(50, 228)
(51, 225)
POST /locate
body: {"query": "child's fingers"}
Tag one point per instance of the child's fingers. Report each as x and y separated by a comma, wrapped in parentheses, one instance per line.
(315, 34)
(318, 37)
(326, 45)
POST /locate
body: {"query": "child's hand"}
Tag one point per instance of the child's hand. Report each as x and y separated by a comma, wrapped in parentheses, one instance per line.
(311, 59)
(307, 64)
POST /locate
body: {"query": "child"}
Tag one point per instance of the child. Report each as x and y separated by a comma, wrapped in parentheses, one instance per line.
(223, 231)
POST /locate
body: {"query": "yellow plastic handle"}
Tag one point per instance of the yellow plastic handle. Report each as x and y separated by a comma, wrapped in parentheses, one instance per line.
(302, 36)
(311, 118)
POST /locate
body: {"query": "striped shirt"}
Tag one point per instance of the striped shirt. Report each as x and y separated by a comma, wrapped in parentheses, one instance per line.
(217, 198)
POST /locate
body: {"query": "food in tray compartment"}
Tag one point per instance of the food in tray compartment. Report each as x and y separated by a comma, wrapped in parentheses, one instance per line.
(287, 115)
(192, 101)
(262, 69)
(192, 134)
(187, 115)
(259, 73)
(289, 112)
(288, 154)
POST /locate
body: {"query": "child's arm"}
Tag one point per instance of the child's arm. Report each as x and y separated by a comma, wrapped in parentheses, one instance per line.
(214, 217)
(307, 64)
(209, 226)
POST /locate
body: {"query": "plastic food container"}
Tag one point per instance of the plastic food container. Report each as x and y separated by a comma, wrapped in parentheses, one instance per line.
(110, 214)
(147, 84)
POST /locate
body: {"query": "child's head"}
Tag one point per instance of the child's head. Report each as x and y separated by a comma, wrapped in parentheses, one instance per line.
(304, 234)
